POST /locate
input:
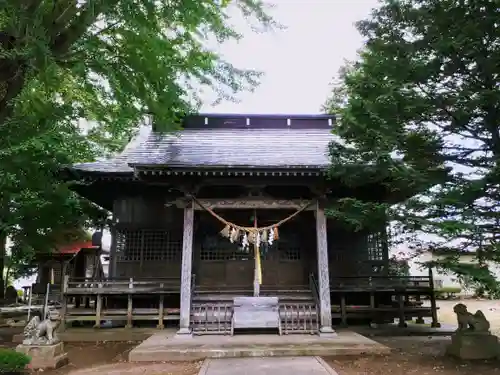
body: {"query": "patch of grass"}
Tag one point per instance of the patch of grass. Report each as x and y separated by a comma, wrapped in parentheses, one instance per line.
(12, 361)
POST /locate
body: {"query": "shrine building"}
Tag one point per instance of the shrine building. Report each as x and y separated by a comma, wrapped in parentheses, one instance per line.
(233, 209)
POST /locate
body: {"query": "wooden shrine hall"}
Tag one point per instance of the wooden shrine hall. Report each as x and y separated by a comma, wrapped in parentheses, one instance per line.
(221, 227)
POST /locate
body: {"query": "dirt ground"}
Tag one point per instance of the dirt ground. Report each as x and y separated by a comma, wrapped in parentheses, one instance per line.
(107, 358)
(90, 358)
(491, 310)
(412, 355)
(424, 355)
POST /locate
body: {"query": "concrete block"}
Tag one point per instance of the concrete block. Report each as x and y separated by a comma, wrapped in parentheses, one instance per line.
(474, 346)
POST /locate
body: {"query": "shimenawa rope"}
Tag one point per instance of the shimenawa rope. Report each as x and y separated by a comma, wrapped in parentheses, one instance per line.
(249, 229)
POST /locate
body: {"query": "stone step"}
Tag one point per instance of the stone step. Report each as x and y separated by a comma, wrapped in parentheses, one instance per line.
(159, 347)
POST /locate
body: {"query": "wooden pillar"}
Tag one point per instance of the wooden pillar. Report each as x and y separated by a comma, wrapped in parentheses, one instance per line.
(98, 307)
(130, 307)
(401, 309)
(64, 270)
(161, 309)
(343, 310)
(418, 299)
(186, 271)
(323, 273)
(112, 253)
(435, 323)
(64, 302)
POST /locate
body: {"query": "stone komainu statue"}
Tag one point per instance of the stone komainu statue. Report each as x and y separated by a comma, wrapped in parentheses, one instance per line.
(42, 332)
(476, 323)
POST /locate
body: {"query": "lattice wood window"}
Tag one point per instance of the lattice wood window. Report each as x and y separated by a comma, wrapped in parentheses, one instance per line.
(289, 249)
(148, 244)
(215, 248)
(57, 272)
(375, 246)
(56, 267)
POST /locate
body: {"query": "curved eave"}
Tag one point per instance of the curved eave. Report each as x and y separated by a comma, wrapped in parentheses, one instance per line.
(230, 170)
(101, 187)
(69, 173)
(95, 185)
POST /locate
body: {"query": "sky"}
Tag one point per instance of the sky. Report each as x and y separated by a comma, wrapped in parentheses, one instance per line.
(298, 62)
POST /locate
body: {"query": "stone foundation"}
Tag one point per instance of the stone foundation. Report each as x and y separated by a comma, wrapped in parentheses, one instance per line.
(474, 346)
(45, 356)
(161, 348)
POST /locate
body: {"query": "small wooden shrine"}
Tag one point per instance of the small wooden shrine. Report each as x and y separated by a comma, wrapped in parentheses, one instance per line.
(234, 206)
(78, 260)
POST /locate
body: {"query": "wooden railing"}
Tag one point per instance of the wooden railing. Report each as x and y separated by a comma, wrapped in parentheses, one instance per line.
(301, 318)
(212, 318)
(313, 285)
(379, 283)
(100, 295)
(101, 291)
(402, 298)
(80, 286)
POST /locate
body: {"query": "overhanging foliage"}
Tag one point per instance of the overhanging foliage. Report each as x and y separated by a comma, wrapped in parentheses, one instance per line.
(424, 94)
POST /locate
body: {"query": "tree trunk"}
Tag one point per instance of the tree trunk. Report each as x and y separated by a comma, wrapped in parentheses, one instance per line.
(3, 246)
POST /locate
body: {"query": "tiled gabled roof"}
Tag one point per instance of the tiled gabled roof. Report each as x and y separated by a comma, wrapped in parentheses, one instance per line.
(222, 148)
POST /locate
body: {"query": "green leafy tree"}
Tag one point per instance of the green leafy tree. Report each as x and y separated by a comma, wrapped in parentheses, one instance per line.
(109, 62)
(398, 267)
(121, 58)
(40, 206)
(420, 110)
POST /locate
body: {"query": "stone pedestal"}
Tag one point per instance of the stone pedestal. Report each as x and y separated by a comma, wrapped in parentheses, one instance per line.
(327, 332)
(474, 346)
(45, 356)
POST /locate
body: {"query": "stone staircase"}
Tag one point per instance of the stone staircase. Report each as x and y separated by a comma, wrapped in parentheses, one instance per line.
(212, 308)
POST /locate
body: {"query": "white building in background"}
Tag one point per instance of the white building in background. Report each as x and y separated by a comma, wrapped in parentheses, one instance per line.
(442, 279)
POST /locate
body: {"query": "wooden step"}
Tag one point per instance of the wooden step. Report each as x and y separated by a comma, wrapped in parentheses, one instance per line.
(230, 297)
(249, 289)
(236, 292)
(210, 330)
